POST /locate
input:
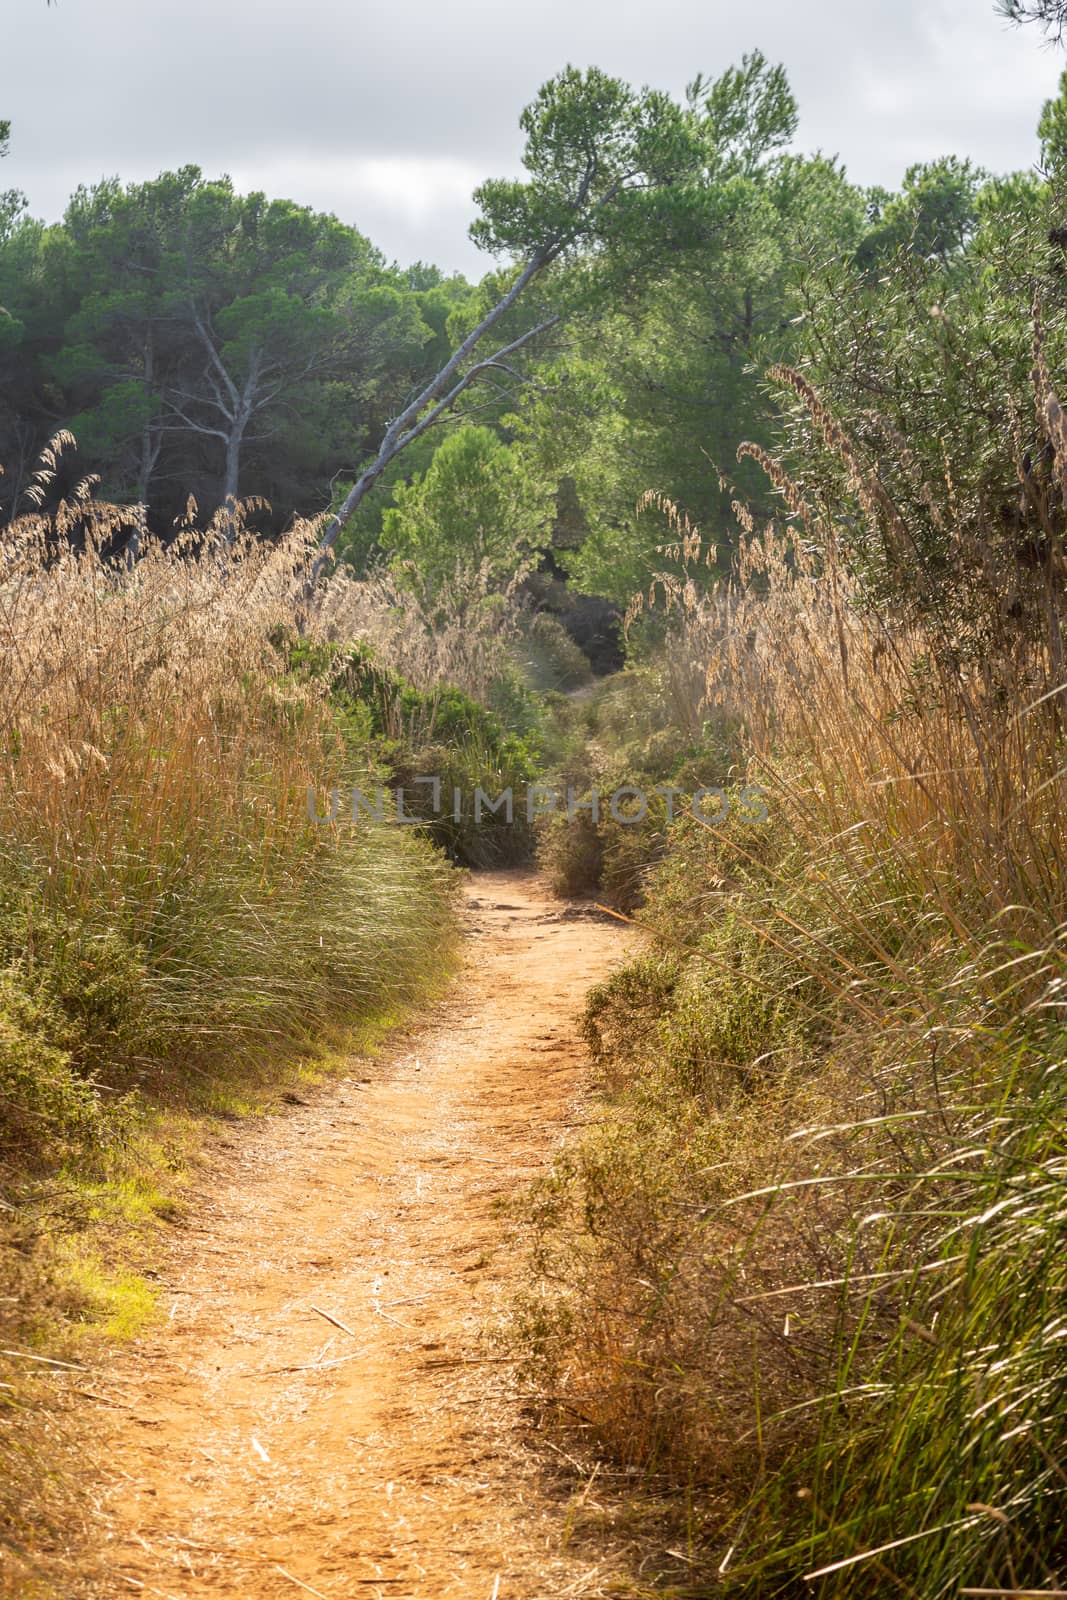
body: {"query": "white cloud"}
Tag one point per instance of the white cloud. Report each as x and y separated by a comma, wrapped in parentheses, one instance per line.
(403, 203)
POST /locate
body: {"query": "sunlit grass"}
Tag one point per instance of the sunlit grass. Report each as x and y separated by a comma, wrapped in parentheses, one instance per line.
(179, 943)
(810, 1267)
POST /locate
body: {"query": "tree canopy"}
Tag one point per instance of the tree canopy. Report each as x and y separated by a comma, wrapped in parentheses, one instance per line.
(656, 256)
(480, 506)
(202, 341)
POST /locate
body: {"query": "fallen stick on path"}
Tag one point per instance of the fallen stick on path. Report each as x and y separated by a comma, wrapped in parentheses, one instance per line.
(300, 1582)
(146, 1588)
(386, 1317)
(48, 1361)
(335, 1320)
(310, 1366)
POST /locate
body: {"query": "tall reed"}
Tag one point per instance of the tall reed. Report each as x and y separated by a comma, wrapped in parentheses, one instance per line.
(810, 1266)
(157, 760)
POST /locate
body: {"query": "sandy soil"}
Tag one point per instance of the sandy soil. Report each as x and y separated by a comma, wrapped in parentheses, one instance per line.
(262, 1449)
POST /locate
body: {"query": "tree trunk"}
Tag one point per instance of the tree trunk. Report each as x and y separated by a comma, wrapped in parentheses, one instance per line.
(235, 433)
(232, 471)
(151, 437)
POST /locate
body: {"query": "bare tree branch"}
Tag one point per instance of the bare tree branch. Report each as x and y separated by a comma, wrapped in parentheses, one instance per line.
(414, 420)
(213, 356)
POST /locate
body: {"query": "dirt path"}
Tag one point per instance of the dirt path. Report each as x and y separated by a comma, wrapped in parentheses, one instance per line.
(261, 1448)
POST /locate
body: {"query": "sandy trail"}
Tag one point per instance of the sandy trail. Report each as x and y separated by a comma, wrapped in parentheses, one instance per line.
(260, 1448)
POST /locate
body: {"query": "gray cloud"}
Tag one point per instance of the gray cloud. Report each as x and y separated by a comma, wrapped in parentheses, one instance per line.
(390, 115)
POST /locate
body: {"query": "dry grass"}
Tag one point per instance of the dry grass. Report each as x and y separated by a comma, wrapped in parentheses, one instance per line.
(464, 633)
(175, 931)
(816, 1245)
(158, 757)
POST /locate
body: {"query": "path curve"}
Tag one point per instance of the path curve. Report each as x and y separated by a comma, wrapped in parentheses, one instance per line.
(262, 1451)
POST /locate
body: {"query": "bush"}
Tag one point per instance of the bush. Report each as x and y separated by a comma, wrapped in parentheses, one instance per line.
(549, 657)
(47, 1105)
(912, 427)
(439, 732)
(611, 857)
(622, 735)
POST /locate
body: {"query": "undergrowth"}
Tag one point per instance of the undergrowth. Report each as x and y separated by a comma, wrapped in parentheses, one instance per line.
(435, 748)
(634, 738)
(808, 1267)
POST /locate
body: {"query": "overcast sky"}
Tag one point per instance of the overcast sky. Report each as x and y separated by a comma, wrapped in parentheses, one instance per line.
(388, 114)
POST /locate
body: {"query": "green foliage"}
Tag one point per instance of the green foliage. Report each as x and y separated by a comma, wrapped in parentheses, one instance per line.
(224, 977)
(1052, 131)
(671, 237)
(197, 334)
(479, 502)
(932, 217)
(663, 390)
(748, 114)
(935, 480)
(623, 735)
(608, 166)
(435, 733)
(624, 1012)
(12, 202)
(48, 1105)
(550, 661)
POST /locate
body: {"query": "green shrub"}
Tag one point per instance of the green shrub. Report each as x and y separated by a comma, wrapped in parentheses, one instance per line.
(438, 733)
(48, 1107)
(571, 855)
(622, 736)
(550, 660)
